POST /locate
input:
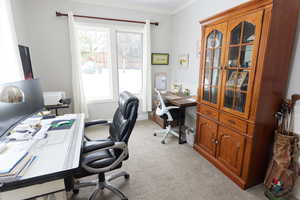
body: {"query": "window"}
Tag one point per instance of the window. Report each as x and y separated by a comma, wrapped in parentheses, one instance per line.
(111, 62)
(130, 61)
(11, 67)
(95, 53)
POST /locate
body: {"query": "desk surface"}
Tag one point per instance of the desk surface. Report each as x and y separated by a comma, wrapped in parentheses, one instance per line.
(180, 100)
(56, 156)
(58, 106)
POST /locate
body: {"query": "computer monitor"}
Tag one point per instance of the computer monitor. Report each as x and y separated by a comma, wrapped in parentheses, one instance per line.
(11, 114)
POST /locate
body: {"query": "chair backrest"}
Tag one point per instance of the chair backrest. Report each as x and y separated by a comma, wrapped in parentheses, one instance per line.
(161, 108)
(124, 118)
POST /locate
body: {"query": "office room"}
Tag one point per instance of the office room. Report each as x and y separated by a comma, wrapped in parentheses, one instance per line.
(164, 100)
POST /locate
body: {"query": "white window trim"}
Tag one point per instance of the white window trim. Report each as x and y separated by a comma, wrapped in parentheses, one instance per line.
(9, 52)
(113, 49)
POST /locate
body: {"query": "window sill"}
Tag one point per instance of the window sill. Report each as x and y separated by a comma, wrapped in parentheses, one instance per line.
(139, 96)
(100, 101)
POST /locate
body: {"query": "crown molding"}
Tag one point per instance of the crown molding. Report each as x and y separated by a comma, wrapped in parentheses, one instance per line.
(182, 7)
(137, 8)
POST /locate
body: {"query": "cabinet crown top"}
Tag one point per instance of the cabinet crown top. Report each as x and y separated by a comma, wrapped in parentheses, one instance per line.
(238, 10)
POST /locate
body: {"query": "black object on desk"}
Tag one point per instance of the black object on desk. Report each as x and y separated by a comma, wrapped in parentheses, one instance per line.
(50, 116)
(57, 107)
(61, 125)
(63, 103)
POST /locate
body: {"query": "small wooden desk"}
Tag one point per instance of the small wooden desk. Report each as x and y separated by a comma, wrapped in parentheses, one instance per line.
(182, 102)
(58, 156)
(57, 107)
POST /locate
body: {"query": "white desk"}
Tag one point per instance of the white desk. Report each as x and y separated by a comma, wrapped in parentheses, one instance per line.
(57, 157)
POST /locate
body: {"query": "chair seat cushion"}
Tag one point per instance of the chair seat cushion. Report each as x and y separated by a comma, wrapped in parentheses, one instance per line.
(175, 113)
(98, 159)
(104, 159)
(89, 146)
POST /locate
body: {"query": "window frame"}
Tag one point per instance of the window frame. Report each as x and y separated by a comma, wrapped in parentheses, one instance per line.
(113, 29)
(141, 32)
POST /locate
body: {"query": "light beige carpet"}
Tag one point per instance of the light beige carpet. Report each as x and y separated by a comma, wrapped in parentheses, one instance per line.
(168, 172)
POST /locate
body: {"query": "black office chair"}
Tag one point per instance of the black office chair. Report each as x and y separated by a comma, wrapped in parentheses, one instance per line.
(103, 156)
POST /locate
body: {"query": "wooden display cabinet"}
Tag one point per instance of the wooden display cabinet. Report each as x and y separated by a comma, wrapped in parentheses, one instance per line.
(245, 57)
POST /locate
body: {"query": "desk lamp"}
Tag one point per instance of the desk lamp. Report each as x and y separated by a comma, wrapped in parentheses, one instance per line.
(11, 95)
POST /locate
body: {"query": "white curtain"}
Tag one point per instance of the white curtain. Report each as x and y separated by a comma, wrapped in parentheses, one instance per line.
(80, 105)
(147, 74)
(10, 62)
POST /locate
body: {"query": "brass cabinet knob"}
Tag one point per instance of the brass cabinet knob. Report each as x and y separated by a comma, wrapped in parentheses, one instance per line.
(215, 141)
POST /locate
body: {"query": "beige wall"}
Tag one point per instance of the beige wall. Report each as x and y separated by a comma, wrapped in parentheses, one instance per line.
(47, 36)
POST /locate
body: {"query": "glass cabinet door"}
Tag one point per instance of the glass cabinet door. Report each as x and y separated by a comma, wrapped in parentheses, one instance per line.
(214, 47)
(240, 64)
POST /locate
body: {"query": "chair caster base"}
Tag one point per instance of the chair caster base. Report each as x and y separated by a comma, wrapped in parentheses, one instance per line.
(75, 191)
(104, 184)
(101, 187)
(127, 176)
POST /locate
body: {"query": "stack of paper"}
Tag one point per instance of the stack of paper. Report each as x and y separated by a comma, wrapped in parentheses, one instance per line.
(13, 164)
(18, 171)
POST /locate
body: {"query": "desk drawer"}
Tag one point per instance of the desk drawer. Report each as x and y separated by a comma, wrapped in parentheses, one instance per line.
(209, 112)
(233, 122)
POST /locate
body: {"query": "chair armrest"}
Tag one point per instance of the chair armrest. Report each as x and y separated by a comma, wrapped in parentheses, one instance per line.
(172, 107)
(89, 146)
(117, 145)
(96, 122)
(93, 123)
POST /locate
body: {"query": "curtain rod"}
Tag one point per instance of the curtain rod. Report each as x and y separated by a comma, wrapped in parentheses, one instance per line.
(59, 14)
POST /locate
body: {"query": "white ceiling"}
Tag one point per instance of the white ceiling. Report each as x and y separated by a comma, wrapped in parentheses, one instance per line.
(158, 6)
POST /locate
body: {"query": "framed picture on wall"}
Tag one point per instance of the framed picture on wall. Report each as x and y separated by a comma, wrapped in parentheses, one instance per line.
(160, 59)
(184, 60)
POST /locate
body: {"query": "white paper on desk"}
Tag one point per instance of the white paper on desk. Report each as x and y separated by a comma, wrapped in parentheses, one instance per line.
(66, 117)
(20, 136)
(10, 158)
(22, 127)
(54, 138)
(32, 120)
(41, 134)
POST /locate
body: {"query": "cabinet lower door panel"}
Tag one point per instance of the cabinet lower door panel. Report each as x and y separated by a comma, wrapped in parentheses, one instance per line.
(230, 149)
(207, 135)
